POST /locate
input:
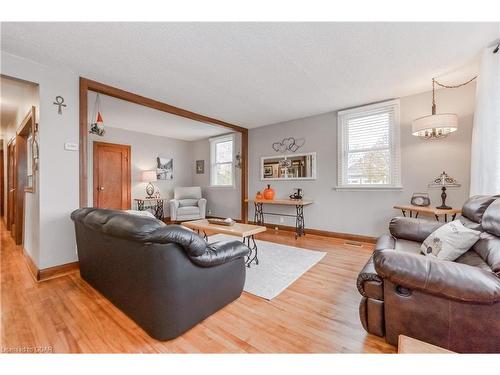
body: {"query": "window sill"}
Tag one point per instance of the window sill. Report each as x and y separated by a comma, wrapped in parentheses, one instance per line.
(368, 188)
(222, 187)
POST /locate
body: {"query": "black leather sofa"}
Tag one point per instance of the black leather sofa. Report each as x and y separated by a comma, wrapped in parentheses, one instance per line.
(165, 277)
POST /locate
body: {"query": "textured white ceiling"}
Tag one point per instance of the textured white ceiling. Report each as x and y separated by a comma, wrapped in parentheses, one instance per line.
(254, 74)
(129, 116)
(14, 94)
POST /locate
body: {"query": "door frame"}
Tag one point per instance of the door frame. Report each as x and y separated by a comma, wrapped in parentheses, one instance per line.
(11, 181)
(95, 181)
(87, 85)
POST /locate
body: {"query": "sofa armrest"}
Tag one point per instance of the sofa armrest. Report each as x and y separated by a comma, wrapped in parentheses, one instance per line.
(446, 279)
(174, 206)
(192, 243)
(412, 229)
(202, 204)
(221, 252)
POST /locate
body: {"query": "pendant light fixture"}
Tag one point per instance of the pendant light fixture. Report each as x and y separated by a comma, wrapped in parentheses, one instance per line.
(437, 126)
(97, 124)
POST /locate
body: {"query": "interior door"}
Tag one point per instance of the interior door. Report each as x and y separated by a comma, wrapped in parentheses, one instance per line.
(111, 176)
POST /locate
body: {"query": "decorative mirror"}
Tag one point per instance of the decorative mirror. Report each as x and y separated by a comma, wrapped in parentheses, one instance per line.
(289, 167)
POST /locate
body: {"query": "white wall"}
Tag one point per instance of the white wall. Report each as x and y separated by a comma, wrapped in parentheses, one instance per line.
(368, 212)
(58, 173)
(145, 148)
(221, 201)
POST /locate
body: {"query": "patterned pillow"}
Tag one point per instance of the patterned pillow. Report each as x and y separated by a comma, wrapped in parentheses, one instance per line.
(449, 241)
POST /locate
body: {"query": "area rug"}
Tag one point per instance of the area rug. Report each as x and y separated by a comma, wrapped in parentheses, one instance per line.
(279, 266)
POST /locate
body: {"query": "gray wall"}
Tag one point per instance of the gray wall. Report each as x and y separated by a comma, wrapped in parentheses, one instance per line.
(368, 212)
(58, 174)
(221, 201)
(145, 148)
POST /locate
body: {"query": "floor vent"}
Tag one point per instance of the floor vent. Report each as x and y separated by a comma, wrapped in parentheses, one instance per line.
(353, 243)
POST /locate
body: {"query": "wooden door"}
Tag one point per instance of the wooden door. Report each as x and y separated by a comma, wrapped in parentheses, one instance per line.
(2, 178)
(111, 176)
(11, 183)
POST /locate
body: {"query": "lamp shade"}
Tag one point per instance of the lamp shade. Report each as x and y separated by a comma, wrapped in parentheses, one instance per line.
(148, 176)
(435, 126)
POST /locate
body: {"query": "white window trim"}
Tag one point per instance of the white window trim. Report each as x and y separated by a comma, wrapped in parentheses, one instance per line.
(394, 143)
(213, 141)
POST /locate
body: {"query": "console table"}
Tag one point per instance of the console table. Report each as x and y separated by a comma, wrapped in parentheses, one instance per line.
(155, 203)
(429, 210)
(299, 207)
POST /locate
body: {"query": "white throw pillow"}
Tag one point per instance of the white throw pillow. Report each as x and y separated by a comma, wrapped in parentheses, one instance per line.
(450, 241)
(140, 213)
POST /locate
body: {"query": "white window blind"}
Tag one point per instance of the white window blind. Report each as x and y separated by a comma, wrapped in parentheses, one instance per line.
(368, 146)
(222, 161)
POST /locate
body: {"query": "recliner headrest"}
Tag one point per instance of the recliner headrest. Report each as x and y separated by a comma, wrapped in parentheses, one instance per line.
(475, 206)
(491, 218)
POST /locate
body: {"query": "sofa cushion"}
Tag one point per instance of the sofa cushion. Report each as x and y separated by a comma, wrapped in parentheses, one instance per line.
(488, 248)
(188, 210)
(450, 241)
(406, 246)
(471, 258)
(188, 202)
(491, 218)
(474, 208)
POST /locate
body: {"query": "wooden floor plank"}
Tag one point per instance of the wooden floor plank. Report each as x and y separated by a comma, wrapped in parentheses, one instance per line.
(318, 313)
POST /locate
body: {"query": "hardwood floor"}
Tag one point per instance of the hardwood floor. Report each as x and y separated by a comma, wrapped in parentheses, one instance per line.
(316, 314)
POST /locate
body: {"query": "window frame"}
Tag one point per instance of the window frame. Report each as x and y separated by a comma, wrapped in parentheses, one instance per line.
(394, 146)
(213, 160)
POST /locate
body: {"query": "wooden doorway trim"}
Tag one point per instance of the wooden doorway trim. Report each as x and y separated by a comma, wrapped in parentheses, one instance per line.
(11, 178)
(2, 180)
(87, 85)
(127, 189)
(26, 128)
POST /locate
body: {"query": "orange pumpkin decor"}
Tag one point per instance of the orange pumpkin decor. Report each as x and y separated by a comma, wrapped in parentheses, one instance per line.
(268, 193)
(259, 195)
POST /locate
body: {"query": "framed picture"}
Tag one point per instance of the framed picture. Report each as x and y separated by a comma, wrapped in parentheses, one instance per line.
(268, 171)
(164, 168)
(200, 166)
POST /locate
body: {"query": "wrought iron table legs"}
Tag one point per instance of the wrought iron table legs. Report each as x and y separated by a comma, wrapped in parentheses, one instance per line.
(259, 215)
(299, 218)
(252, 256)
(299, 222)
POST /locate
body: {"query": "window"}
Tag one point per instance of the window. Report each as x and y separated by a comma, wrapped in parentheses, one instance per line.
(368, 147)
(221, 161)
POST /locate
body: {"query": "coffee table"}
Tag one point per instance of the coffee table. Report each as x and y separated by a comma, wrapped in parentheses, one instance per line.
(245, 231)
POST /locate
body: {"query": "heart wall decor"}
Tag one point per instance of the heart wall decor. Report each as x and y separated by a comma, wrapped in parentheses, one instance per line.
(288, 144)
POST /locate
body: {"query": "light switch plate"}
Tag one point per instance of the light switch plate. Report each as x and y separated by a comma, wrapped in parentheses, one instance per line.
(71, 146)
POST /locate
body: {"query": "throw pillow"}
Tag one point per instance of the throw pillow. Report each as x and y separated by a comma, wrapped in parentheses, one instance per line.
(450, 241)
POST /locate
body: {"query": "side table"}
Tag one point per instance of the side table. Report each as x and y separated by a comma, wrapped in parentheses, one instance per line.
(155, 203)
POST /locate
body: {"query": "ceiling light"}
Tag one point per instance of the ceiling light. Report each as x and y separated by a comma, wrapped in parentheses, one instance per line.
(436, 126)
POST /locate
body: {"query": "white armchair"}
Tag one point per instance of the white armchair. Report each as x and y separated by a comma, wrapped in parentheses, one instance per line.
(187, 204)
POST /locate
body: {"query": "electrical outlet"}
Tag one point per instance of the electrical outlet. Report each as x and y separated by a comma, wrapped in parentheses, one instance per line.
(210, 212)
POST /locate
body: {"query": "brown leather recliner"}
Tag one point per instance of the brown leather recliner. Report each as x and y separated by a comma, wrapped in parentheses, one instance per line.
(455, 305)
(165, 277)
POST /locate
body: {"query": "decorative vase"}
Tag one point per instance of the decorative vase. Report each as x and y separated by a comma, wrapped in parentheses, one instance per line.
(268, 193)
(259, 195)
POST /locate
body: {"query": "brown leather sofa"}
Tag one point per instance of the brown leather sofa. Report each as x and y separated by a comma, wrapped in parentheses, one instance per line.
(165, 277)
(455, 305)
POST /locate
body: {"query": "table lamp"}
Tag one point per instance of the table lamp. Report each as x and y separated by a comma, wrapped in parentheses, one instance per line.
(444, 181)
(149, 176)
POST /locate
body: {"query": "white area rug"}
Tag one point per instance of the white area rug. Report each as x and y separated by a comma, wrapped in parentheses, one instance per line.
(279, 266)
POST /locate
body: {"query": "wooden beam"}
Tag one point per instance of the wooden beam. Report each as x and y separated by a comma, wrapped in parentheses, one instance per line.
(83, 142)
(87, 84)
